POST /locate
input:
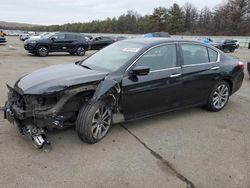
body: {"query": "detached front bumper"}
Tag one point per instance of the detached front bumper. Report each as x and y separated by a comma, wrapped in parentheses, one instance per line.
(25, 110)
(34, 115)
(8, 114)
(35, 134)
(25, 120)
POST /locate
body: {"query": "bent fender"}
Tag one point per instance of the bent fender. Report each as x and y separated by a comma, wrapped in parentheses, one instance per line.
(106, 86)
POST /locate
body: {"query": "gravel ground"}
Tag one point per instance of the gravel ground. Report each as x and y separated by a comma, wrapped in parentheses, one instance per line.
(192, 146)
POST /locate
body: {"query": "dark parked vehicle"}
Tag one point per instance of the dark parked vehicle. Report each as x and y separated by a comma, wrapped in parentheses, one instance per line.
(130, 79)
(157, 34)
(225, 45)
(88, 37)
(72, 43)
(101, 42)
(118, 38)
(24, 37)
(2, 40)
(248, 68)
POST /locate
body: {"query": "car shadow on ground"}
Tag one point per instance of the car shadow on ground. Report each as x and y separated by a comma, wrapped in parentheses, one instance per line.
(52, 55)
(69, 134)
(165, 119)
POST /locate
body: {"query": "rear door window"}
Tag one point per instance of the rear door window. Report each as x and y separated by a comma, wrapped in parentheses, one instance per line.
(70, 36)
(59, 36)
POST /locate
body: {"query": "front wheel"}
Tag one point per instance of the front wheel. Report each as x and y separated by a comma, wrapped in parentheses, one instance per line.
(94, 121)
(42, 51)
(80, 51)
(218, 97)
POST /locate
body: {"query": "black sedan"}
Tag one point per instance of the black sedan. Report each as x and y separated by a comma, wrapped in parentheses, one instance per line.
(225, 45)
(101, 42)
(248, 68)
(130, 79)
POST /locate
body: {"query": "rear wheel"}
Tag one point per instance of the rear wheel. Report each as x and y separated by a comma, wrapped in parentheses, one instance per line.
(94, 121)
(42, 51)
(80, 51)
(218, 97)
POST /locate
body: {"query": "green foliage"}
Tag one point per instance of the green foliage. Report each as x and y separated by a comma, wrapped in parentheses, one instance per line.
(176, 19)
(159, 19)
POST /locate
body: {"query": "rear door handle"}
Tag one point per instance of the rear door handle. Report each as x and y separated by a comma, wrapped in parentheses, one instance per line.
(175, 75)
(215, 68)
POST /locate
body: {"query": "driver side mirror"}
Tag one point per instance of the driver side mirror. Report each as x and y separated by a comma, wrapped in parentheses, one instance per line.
(141, 71)
(53, 38)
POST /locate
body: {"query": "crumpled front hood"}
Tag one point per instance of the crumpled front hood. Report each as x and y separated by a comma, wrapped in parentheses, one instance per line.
(56, 78)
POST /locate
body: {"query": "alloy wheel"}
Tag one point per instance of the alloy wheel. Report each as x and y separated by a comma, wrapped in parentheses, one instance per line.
(101, 122)
(80, 51)
(220, 96)
(43, 51)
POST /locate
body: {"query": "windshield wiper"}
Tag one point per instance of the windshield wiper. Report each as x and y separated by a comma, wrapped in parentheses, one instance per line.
(85, 66)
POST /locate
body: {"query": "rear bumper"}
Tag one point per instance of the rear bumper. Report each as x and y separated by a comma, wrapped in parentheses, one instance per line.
(238, 80)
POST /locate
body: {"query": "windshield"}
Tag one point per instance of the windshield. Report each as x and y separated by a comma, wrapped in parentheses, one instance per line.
(44, 35)
(114, 56)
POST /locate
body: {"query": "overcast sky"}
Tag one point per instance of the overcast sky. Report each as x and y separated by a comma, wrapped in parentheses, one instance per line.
(67, 11)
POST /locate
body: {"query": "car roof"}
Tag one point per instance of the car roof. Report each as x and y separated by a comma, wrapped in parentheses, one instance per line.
(70, 33)
(156, 40)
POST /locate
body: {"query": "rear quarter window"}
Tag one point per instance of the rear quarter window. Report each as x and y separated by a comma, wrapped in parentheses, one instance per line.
(213, 55)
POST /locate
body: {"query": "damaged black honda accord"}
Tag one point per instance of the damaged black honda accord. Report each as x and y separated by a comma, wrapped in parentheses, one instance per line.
(127, 80)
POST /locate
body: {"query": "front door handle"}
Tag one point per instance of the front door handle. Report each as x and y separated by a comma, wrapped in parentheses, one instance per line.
(215, 68)
(175, 75)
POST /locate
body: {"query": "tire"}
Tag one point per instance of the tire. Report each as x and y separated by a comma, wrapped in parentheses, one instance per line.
(42, 51)
(219, 96)
(232, 50)
(90, 125)
(80, 51)
(225, 50)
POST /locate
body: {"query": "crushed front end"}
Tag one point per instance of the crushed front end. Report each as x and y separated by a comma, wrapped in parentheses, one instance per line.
(34, 115)
(18, 111)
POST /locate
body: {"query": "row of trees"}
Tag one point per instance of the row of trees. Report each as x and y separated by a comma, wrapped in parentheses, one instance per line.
(230, 18)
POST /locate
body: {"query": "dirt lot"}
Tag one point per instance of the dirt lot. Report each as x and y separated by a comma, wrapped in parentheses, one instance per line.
(210, 150)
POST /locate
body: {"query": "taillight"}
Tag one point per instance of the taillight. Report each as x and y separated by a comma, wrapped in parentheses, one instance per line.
(241, 65)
